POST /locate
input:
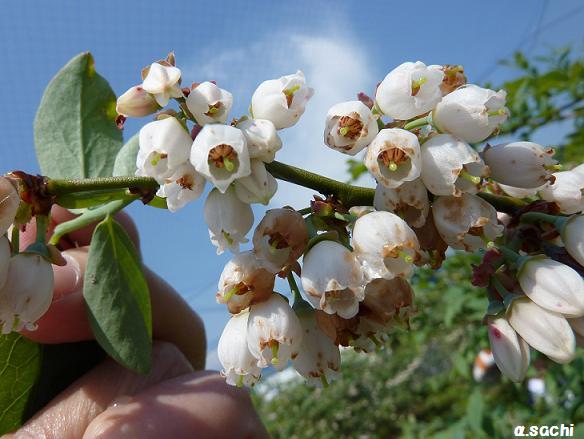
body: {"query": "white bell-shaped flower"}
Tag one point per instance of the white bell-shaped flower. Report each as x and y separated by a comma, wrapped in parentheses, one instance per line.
(27, 292)
(385, 245)
(183, 186)
(545, 331)
(239, 365)
(350, 127)
(163, 82)
(220, 154)
(572, 234)
(409, 201)
(136, 102)
(9, 202)
(450, 166)
(262, 139)
(520, 164)
(209, 103)
(228, 218)
(409, 90)
(280, 239)
(243, 282)
(281, 100)
(566, 191)
(259, 187)
(393, 157)
(332, 279)
(471, 113)
(4, 259)
(510, 351)
(274, 334)
(466, 222)
(319, 359)
(164, 146)
(552, 285)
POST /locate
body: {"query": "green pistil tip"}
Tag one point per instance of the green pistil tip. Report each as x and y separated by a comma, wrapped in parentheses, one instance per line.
(275, 348)
(419, 82)
(407, 258)
(229, 165)
(324, 381)
(228, 238)
(472, 178)
(230, 293)
(499, 112)
(557, 167)
(240, 381)
(155, 159)
(213, 110)
(392, 166)
(290, 91)
(344, 131)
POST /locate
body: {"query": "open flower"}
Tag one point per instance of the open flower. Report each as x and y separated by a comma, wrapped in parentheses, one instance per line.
(183, 186)
(566, 191)
(510, 351)
(274, 334)
(520, 164)
(136, 102)
(350, 127)
(466, 222)
(471, 113)
(545, 331)
(450, 166)
(239, 365)
(262, 139)
(209, 103)
(27, 292)
(281, 100)
(9, 202)
(163, 82)
(4, 259)
(319, 359)
(385, 245)
(259, 187)
(220, 154)
(409, 201)
(573, 237)
(228, 218)
(409, 90)
(244, 282)
(332, 280)
(393, 157)
(280, 239)
(164, 146)
(552, 285)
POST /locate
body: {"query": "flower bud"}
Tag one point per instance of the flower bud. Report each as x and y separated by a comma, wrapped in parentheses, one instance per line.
(209, 103)
(9, 202)
(27, 292)
(566, 191)
(350, 127)
(262, 139)
(4, 259)
(136, 103)
(545, 331)
(228, 218)
(332, 280)
(183, 186)
(274, 334)
(282, 100)
(394, 157)
(409, 90)
(511, 352)
(164, 146)
(573, 237)
(520, 164)
(552, 285)
(385, 246)
(239, 365)
(163, 82)
(244, 282)
(466, 222)
(259, 187)
(280, 239)
(220, 154)
(471, 113)
(319, 359)
(450, 166)
(409, 201)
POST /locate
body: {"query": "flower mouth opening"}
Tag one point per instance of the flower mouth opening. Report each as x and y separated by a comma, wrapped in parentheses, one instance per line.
(392, 158)
(417, 85)
(289, 93)
(215, 110)
(277, 242)
(156, 157)
(238, 290)
(186, 182)
(350, 127)
(223, 157)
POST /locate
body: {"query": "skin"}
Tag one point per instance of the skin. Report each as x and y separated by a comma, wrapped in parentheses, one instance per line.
(177, 399)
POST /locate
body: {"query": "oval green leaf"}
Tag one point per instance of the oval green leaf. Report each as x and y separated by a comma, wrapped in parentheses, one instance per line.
(125, 163)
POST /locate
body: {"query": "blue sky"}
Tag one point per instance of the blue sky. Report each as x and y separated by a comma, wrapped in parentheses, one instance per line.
(343, 48)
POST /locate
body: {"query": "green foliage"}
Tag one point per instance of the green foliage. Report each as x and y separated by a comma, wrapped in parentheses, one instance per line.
(75, 132)
(20, 362)
(125, 163)
(117, 297)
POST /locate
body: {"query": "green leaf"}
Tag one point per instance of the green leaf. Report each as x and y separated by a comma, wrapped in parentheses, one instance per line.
(125, 163)
(20, 361)
(474, 411)
(117, 297)
(75, 131)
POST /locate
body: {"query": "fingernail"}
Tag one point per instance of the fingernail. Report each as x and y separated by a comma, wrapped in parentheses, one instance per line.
(68, 277)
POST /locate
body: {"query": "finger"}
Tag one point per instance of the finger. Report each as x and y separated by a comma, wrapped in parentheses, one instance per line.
(199, 404)
(69, 415)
